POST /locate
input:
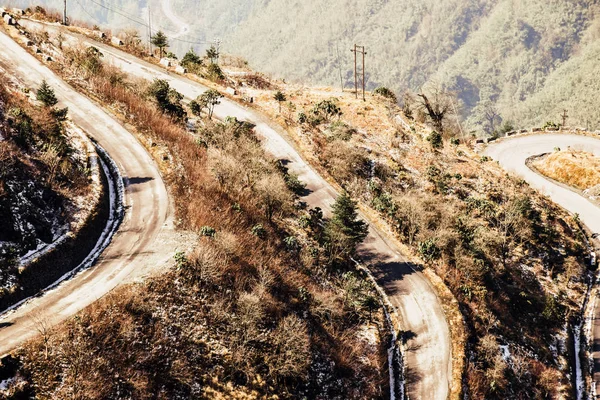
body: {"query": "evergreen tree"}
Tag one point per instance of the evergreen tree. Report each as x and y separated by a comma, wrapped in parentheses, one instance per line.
(345, 216)
(167, 99)
(344, 231)
(213, 54)
(46, 95)
(160, 41)
(191, 61)
(280, 97)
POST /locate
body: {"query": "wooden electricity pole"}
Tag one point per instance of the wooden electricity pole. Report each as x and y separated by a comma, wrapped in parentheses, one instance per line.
(361, 50)
(564, 118)
(149, 31)
(65, 13)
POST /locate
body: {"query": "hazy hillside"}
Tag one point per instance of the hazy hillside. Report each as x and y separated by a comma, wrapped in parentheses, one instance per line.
(525, 61)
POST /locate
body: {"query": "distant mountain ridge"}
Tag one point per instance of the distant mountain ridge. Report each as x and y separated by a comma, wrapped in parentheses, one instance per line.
(523, 61)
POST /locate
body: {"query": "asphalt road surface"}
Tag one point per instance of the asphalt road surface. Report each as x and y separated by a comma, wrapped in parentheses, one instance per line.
(146, 238)
(428, 344)
(512, 154)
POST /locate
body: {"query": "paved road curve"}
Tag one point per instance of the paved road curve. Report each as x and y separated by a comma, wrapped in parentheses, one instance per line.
(512, 154)
(428, 357)
(140, 243)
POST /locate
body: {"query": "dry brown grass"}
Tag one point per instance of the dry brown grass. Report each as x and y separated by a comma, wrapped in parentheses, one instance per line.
(575, 168)
(242, 315)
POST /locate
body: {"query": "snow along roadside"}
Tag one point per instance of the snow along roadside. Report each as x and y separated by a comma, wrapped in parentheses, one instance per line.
(87, 147)
(116, 195)
(396, 364)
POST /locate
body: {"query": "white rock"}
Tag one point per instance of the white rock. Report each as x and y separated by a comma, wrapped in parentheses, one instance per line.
(116, 41)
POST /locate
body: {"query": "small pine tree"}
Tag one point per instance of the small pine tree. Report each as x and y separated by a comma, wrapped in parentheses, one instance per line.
(345, 215)
(160, 40)
(213, 54)
(344, 231)
(191, 61)
(46, 95)
(279, 97)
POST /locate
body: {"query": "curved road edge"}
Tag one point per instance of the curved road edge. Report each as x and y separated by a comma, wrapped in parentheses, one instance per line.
(115, 192)
(145, 240)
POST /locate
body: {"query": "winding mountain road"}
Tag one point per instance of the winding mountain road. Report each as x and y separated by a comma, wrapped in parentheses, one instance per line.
(428, 343)
(512, 154)
(167, 9)
(146, 238)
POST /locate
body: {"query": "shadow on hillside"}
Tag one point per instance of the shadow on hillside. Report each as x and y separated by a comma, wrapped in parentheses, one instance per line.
(5, 324)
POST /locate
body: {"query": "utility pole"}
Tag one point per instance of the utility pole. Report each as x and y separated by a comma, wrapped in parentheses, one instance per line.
(65, 13)
(149, 31)
(361, 50)
(564, 119)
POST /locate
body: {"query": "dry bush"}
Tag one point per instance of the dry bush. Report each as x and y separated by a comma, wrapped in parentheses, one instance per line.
(345, 161)
(257, 81)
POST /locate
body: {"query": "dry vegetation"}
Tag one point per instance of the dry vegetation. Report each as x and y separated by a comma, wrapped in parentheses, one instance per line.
(575, 168)
(514, 261)
(266, 306)
(41, 177)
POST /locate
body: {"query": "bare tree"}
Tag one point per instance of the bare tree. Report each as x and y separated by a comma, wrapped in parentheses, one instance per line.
(491, 118)
(438, 104)
(43, 327)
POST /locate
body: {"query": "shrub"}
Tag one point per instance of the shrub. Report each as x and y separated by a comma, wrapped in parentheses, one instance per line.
(291, 243)
(191, 61)
(326, 109)
(214, 73)
(167, 99)
(259, 231)
(302, 118)
(207, 231)
(429, 251)
(385, 92)
(295, 184)
(551, 126)
(435, 139)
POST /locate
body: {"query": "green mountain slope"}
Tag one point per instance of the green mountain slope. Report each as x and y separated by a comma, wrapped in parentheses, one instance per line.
(525, 61)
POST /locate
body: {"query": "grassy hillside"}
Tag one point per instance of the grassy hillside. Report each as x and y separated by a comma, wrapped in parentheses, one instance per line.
(268, 305)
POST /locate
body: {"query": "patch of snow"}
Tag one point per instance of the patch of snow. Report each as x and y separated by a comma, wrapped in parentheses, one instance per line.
(505, 352)
(395, 360)
(5, 384)
(43, 248)
(579, 382)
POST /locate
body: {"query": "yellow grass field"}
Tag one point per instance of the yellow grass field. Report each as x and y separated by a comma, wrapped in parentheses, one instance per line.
(572, 167)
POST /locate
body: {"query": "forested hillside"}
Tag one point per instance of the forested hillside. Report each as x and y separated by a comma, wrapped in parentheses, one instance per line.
(507, 61)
